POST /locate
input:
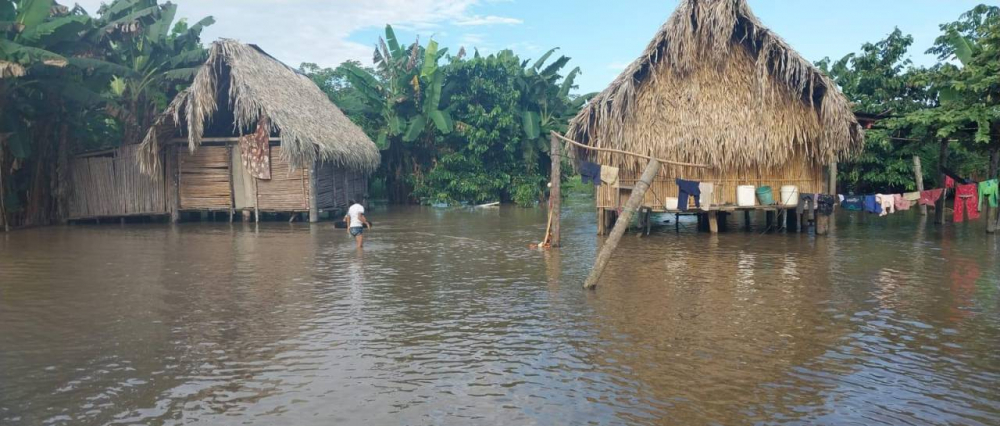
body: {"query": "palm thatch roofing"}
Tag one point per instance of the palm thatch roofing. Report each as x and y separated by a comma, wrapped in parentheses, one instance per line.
(311, 128)
(716, 87)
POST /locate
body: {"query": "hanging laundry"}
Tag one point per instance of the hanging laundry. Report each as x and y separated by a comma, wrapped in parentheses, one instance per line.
(609, 175)
(824, 204)
(949, 182)
(955, 178)
(989, 191)
(687, 187)
(255, 150)
(966, 199)
(872, 205)
(590, 172)
(931, 196)
(806, 199)
(887, 202)
(902, 204)
(854, 203)
(912, 197)
(707, 191)
(841, 196)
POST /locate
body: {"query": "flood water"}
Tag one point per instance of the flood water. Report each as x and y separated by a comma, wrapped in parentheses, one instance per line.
(447, 318)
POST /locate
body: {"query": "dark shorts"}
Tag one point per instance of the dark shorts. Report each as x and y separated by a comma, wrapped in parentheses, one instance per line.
(357, 230)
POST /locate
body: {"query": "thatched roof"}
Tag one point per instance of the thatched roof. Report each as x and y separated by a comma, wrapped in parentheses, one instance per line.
(309, 125)
(716, 87)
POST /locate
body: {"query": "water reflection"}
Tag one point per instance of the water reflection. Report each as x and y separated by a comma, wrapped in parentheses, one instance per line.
(447, 318)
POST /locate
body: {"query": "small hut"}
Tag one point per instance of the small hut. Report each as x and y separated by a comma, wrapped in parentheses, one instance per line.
(259, 136)
(715, 87)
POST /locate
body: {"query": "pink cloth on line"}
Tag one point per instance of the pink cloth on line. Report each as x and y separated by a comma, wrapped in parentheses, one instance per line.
(902, 204)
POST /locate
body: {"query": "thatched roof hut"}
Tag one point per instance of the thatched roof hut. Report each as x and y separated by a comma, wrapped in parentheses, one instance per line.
(249, 84)
(716, 87)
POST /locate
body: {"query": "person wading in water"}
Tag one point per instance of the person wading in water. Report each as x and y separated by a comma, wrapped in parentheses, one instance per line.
(356, 222)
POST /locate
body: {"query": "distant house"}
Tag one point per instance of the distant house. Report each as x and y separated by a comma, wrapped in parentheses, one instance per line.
(260, 138)
(716, 87)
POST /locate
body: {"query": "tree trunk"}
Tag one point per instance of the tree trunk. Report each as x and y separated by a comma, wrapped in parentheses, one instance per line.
(991, 224)
(62, 176)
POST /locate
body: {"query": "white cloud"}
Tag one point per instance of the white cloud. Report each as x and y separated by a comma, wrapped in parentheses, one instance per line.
(488, 20)
(298, 31)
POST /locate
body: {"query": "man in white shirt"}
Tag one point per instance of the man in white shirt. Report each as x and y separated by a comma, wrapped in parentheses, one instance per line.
(356, 222)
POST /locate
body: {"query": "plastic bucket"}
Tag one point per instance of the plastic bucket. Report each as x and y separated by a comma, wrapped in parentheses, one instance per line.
(790, 195)
(745, 196)
(671, 204)
(765, 195)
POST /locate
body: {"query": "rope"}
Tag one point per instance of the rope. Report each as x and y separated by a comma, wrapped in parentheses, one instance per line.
(618, 151)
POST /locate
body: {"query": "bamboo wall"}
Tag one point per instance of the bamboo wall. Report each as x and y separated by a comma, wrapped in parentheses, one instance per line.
(113, 185)
(288, 189)
(204, 179)
(337, 185)
(808, 178)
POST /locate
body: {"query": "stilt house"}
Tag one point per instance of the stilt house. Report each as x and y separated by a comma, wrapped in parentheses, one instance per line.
(716, 87)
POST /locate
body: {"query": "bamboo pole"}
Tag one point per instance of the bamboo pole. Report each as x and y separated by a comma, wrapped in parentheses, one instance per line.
(555, 193)
(638, 193)
(232, 186)
(175, 175)
(918, 174)
(939, 206)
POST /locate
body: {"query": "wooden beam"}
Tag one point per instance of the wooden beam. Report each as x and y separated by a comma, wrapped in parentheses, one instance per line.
(633, 203)
(713, 222)
(222, 139)
(918, 174)
(555, 193)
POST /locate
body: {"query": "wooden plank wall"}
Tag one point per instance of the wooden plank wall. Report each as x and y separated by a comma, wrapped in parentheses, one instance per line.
(326, 187)
(113, 185)
(288, 189)
(807, 177)
(204, 179)
(337, 185)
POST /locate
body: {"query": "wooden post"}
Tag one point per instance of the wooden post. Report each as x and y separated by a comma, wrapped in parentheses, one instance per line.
(746, 220)
(918, 173)
(634, 200)
(939, 206)
(313, 192)
(822, 220)
(555, 193)
(791, 220)
(174, 176)
(232, 185)
(713, 222)
(769, 219)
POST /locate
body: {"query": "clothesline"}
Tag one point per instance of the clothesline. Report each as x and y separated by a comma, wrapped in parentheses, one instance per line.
(618, 151)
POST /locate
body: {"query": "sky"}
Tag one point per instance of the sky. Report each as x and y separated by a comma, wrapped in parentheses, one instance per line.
(602, 37)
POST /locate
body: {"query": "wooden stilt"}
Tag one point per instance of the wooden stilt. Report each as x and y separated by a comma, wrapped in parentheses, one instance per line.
(713, 222)
(174, 177)
(919, 176)
(634, 200)
(769, 219)
(313, 192)
(746, 220)
(555, 193)
(246, 216)
(677, 223)
(600, 220)
(791, 221)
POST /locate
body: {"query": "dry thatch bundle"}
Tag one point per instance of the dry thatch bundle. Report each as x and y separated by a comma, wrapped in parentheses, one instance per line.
(310, 127)
(716, 87)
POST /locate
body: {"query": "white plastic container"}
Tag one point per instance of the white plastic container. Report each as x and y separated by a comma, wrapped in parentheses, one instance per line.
(789, 195)
(671, 204)
(746, 196)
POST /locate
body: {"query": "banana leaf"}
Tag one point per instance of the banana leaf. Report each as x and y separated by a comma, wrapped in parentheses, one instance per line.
(393, 42)
(531, 122)
(101, 67)
(430, 60)
(59, 29)
(417, 125)
(545, 57)
(159, 30)
(567, 83)
(28, 56)
(442, 120)
(33, 12)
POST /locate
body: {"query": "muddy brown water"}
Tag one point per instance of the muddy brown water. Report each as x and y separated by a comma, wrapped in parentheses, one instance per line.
(447, 318)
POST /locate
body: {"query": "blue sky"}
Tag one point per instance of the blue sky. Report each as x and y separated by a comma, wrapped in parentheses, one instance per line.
(602, 37)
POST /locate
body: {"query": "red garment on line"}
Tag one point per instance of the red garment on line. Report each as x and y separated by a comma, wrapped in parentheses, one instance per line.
(929, 197)
(949, 182)
(966, 198)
